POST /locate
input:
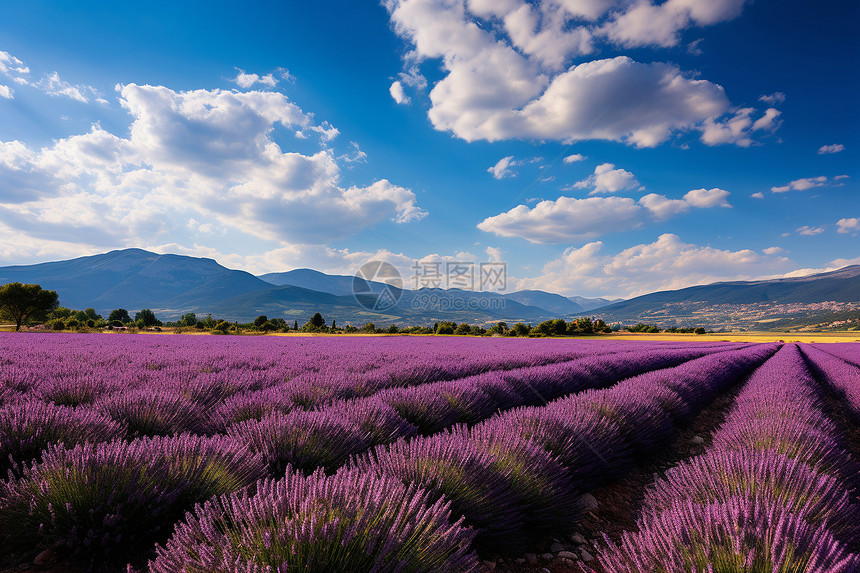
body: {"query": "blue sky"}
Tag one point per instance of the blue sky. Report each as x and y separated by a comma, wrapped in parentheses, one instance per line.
(598, 147)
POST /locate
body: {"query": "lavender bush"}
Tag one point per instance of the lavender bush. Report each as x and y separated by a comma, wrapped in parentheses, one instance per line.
(106, 503)
(351, 521)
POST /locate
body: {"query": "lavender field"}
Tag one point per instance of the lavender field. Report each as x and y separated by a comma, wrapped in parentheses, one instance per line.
(424, 454)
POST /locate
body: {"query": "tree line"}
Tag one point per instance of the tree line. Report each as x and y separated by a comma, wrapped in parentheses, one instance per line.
(25, 303)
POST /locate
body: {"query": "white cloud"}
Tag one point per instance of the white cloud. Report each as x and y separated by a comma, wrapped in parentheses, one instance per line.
(662, 207)
(6, 92)
(846, 226)
(801, 184)
(54, 86)
(809, 231)
(397, 93)
(356, 156)
(508, 72)
(246, 81)
(694, 47)
(503, 167)
(574, 158)
(775, 98)
(706, 198)
(757, 195)
(206, 155)
(570, 219)
(738, 129)
(608, 179)
(645, 24)
(774, 251)
(667, 263)
(834, 148)
(565, 219)
(12, 66)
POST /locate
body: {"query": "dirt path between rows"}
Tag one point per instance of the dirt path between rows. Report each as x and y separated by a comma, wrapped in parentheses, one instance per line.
(618, 504)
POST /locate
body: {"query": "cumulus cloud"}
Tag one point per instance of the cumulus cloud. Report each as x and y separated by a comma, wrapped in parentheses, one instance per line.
(645, 24)
(667, 263)
(203, 154)
(757, 195)
(809, 231)
(574, 158)
(244, 80)
(397, 93)
(504, 167)
(607, 179)
(834, 148)
(775, 98)
(801, 184)
(569, 219)
(738, 129)
(706, 198)
(565, 219)
(774, 251)
(6, 92)
(508, 71)
(847, 225)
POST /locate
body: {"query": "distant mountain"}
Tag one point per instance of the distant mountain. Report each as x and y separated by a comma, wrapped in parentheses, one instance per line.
(172, 285)
(555, 303)
(550, 303)
(134, 279)
(746, 304)
(593, 303)
(311, 279)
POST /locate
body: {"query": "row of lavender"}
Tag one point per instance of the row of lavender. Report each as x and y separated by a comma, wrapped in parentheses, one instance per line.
(278, 426)
(327, 436)
(773, 493)
(102, 502)
(77, 369)
(839, 364)
(483, 490)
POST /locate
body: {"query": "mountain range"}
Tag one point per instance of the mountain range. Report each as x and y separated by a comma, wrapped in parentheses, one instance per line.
(172, 285)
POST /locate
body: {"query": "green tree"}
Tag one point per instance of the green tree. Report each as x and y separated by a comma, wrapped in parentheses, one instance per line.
(261, 320)
(317, 321)
(463, 328)
(445, 327)
(21, 302)
(189, 319)
(295, 325)
(369, 328)
(268, 326)
(555, 327)
(146, 318)
(520, 329)
(699, 330)
(499, 328)
(90, 314)
(119, 314)
(333, 324)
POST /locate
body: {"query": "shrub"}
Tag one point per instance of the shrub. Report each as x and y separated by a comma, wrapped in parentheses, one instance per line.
(305, 440)
(155, 412)
(351, 521)
(106, 504)
(450, 465)
(28, 427)
(734, 535)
